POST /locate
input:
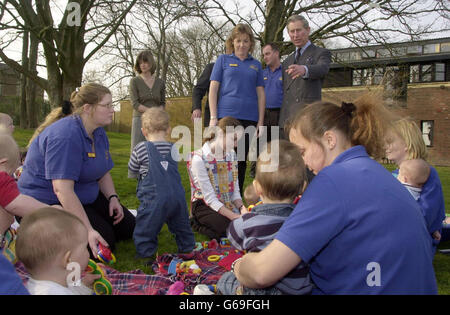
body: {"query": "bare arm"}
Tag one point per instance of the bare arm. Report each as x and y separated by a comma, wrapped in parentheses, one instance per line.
(107, 188)
(64, 190)
(261, 106)
(213, 99)
(23, 205)
(263, 269)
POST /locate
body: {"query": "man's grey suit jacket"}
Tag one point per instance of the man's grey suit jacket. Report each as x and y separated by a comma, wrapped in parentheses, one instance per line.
(299, 92)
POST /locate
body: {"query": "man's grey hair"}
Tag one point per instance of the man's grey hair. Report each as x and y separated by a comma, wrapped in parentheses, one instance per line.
(295, 18)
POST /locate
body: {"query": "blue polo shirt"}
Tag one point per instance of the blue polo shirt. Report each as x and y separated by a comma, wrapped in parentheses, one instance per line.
(273, 86)
(10, 282)
(65, 151)
(238, 81)
(360, 231)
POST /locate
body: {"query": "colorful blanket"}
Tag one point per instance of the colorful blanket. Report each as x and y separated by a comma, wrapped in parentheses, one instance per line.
(138, 283)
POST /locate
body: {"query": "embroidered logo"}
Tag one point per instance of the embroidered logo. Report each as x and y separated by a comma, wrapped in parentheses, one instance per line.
(254, 67)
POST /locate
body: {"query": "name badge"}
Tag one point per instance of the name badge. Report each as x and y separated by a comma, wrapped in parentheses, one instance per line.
(91, 154)
(265, 78)
(233, 64)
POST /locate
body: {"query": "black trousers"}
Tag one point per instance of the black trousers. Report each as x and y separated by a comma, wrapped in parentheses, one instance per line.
(208, 222)
(242, 163)
(102, 222)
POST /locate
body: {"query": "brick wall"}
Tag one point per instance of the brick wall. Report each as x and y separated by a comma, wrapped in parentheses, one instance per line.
(425, 101)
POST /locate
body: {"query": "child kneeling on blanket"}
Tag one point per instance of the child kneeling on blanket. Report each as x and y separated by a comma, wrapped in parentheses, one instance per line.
(52, 244)
(160, 191)
(278, 187)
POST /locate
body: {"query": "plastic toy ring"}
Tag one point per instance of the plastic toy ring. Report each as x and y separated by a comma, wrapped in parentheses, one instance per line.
(214, 258)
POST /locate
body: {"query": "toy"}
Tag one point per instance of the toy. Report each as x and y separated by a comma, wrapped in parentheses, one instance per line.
(176, 289)
(225, 242)
(188, 267)
(105, 255)
(101, 286)
(198, 246)
(250, 208)
(173, 266)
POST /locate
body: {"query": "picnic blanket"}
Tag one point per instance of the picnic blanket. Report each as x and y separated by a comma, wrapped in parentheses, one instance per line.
(136, 282)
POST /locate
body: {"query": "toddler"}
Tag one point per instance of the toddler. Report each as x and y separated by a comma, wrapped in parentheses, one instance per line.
(6, 124)
(12, 202)
(254, 231)
(160, 191)
(53, 246)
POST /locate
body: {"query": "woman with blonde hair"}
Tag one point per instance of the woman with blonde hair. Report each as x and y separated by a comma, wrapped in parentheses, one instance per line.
(69, 164)
(237, 87)
(356, 225)
(405, 142)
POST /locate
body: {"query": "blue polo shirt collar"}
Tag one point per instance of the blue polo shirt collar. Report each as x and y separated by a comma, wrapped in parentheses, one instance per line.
(80, 123)
(352, 153)
(249, 57)
(279, 68)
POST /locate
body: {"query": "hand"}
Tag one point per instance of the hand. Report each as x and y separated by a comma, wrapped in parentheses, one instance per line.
(89, 279)
(259, 129)
(196, 114)
(116, 208)
(94, 238)
(213, 122)
(243, 210)
(295, 71)
(437, 235)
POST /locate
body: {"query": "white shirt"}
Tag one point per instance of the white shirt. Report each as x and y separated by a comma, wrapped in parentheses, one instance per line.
(43, 287)
(201, 180)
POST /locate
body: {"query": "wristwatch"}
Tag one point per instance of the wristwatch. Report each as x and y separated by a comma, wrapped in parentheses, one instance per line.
(112, 196)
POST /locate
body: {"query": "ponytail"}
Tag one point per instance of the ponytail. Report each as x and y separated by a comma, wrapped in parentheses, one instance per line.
(363, 122)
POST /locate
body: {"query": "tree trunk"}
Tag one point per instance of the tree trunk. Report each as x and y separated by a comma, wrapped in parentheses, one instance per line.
(32, 109)
(23, 82)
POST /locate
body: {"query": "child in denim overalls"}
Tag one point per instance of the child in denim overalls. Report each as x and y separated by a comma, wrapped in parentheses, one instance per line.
(160, 193)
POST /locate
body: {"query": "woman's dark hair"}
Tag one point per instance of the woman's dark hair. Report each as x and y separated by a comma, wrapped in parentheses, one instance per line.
(145, 56)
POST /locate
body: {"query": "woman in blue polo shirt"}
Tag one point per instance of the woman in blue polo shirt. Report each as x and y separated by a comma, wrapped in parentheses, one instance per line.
(356, 225)
(69, 163)
(237, 88)
(405, 142)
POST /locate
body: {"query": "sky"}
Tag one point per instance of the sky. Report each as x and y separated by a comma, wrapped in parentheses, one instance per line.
(57, 7)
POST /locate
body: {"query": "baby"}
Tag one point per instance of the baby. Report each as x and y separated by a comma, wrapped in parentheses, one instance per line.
(52, 244)
(413, 174)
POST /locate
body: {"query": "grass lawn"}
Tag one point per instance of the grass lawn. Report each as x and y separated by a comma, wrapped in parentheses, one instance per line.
(126, 188)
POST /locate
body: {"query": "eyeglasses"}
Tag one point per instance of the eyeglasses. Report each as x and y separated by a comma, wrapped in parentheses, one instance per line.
(108, 106)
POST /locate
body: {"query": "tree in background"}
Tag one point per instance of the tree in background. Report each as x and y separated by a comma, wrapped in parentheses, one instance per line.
(85, 26)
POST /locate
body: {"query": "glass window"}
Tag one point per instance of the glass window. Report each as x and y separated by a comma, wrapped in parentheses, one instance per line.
(378, 76)
(426, 73)
(413, 50)
(414, 72)
(445, 47)
(439, 74)
(369, 53)
(383, 53)
(342, 56)
(427, 131)
(357, 77)
(355, 55)
(431, 48)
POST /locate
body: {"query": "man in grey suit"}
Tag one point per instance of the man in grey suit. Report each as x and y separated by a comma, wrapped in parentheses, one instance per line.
(304, 70)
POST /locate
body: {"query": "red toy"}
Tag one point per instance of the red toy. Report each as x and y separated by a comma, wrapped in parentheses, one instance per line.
(105, 255)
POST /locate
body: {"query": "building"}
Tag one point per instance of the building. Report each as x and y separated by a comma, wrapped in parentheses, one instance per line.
(412, 77)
